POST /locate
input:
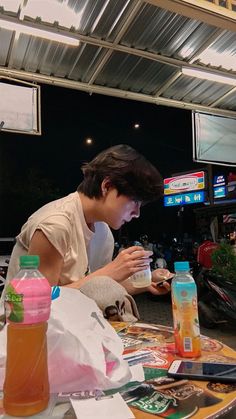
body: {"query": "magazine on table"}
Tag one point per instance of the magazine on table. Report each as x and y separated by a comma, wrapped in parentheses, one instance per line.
(140, 335)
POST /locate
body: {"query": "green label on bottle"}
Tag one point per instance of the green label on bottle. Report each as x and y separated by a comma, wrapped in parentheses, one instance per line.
(14, 305)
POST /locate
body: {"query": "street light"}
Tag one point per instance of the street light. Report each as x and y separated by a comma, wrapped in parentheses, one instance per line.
(89, 141)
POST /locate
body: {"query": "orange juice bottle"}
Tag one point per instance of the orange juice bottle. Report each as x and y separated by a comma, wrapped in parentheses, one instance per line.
(185, 312)
(27, 305)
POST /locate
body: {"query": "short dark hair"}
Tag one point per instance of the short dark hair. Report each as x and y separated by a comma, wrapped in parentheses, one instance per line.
(127, 170)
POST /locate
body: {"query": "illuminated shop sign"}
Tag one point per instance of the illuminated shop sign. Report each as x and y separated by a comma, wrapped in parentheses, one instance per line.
(219, 180)
(184, 183)
(184, 199)
(224, 186)
(220, 192)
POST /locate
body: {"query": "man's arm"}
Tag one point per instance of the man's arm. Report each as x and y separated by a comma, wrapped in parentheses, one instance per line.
(127, 284)
(51, 262)
(50, 259)
(124, 265)
(153, 288)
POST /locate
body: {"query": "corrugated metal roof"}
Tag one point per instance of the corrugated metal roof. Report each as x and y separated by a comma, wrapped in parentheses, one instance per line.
(128, 48)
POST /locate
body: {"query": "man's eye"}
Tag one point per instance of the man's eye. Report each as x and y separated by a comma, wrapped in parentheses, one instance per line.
(137, 201)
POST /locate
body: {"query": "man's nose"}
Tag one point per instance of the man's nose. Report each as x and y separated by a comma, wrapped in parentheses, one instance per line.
(136, 212)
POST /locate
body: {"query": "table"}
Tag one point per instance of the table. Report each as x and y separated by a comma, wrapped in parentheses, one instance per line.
(174, 398)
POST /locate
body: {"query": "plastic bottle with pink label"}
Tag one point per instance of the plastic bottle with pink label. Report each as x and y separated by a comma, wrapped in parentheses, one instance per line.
(27, 307)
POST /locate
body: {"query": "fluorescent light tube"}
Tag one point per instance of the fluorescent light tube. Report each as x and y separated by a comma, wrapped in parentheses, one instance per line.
(50, 34)
(206, 75)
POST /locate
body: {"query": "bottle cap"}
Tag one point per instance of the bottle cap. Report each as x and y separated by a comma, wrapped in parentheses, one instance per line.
(29, 261)
(181, 266)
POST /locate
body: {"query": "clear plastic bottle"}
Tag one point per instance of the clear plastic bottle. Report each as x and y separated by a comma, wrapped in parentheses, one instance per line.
(142, 278)
(27, 305)
(185, 312)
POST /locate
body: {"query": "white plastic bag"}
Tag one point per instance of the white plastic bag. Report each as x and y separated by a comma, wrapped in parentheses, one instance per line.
(84, 351)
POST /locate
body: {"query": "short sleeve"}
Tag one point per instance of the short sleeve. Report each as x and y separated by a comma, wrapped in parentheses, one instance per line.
(58, 230)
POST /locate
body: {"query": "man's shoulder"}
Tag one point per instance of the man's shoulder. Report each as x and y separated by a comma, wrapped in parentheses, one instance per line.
(60, 206)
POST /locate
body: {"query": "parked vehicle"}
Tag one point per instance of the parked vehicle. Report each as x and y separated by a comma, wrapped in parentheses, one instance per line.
(216, 299)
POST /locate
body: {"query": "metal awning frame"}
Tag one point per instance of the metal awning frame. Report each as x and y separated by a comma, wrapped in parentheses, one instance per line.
(201, 10)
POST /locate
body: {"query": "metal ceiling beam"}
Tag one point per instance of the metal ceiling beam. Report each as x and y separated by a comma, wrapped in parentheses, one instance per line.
(200, 10)
(51, 30)
(70, 84)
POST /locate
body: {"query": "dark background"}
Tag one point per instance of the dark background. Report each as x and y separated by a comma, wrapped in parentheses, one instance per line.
(37, 169)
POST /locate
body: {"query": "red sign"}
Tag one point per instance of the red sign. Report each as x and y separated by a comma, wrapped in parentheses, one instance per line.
(184, 183)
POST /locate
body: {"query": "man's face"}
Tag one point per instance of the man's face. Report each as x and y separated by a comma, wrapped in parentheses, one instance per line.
(119, 209)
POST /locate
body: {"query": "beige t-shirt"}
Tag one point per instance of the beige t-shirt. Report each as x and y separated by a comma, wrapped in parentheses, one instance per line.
(63, 223)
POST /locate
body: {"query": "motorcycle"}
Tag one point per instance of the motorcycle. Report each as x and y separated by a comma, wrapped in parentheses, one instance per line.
(216, 300)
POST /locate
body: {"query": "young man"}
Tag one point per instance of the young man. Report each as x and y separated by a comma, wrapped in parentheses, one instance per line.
(72, 236)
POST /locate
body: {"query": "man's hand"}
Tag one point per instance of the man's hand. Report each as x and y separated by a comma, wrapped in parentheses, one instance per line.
(160, 276)
(163, 289)
(127, 262)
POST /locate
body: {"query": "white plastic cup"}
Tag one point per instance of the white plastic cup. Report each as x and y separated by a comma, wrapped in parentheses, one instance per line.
(142, 278)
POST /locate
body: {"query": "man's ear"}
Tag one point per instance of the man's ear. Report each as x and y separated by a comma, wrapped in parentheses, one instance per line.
(105, 186)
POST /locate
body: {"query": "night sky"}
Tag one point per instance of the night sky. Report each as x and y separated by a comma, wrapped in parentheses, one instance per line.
(37, 169)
